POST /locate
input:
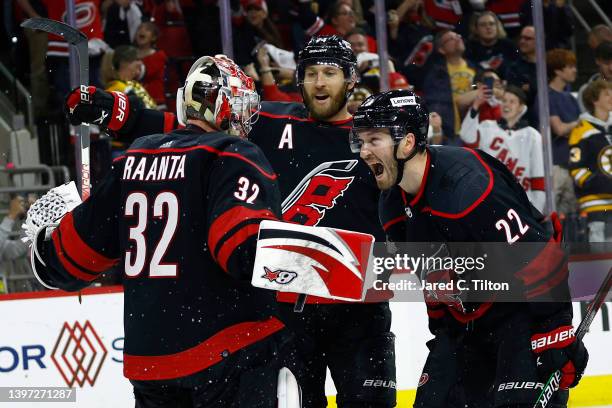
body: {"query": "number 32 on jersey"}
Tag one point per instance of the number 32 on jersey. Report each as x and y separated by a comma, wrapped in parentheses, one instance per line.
(166, 209)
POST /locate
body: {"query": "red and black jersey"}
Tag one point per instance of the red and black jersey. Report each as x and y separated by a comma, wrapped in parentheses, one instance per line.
(467, 195)
(179, 215)
(321, 181)
(88, 21)
(153, 81)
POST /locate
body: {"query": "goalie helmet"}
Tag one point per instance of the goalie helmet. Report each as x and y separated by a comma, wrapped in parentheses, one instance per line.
(327, 50)
(218, 92)
(401, 111)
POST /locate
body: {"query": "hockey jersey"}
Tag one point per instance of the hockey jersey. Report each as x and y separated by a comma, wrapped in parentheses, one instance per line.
(520, 149)
(590, 164)
(88, 21)
(467, 195)
(178, 214)
(321, 181)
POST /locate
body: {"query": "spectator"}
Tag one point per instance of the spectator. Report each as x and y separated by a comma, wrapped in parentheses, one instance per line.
(435, 132)
(448, 82)
(269, 73)
(356, 99)
(491, 108)
(508, 13)
(411, 39)
(57, 50)
(153, 60)
(341, 21)
(37, 47)
(488, 46)
(253, 29)
(445, 14)
(124, 73)
(522, 72)
(122, 19)
(121, 71)
(558, 22)
(510, 139)
(599, 34)
(564, 112)
(591, 158)
(11, 249)
(603, 59)
(366, 60)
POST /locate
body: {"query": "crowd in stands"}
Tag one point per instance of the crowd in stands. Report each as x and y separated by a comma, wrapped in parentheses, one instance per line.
(473, 61)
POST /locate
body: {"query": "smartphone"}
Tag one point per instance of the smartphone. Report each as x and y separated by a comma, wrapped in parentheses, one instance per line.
(489, 81)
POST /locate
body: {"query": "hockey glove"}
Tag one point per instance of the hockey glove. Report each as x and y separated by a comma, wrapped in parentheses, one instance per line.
(43, 217)
(109, 110)
(559, 349)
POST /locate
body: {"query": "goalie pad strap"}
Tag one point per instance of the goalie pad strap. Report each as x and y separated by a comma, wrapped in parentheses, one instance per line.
(36, 259)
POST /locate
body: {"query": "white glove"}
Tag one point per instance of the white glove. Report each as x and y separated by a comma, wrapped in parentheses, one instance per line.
(48, 210)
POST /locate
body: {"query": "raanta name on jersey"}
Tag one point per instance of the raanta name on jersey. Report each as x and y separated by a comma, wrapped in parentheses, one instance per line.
(161, 168)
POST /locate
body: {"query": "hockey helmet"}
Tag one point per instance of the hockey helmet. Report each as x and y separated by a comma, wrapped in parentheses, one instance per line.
(327, 50)
(401, 111)
(217, 91)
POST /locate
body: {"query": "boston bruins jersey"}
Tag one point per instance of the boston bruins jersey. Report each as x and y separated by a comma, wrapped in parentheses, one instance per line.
(591, 164)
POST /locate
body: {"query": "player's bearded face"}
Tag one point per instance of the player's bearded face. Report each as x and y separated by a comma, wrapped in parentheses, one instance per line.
(377, 150)
(324, 90)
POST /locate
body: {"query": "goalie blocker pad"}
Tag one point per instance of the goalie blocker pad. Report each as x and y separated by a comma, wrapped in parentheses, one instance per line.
(319, 261)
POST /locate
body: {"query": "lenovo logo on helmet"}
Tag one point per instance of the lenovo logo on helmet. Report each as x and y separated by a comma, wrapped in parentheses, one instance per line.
(403, 101)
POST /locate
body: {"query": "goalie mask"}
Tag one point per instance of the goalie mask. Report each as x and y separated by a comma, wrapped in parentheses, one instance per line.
(218, 92)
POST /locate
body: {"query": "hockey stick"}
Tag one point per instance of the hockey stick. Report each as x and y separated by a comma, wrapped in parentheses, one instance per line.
(79, 41)
(552, 385)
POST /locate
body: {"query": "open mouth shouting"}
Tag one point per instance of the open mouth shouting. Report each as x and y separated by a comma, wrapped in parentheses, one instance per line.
(321, 98)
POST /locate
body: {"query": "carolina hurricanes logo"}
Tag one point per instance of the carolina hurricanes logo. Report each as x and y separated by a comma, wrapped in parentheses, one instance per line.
(424, 378)
(317, 192)
(279, 276)
(493, 63)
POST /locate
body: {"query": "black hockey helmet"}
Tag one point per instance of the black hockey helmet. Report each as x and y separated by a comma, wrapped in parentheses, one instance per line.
(327, 50)
(401, 111)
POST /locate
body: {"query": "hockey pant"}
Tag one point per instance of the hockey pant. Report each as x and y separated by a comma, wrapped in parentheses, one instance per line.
(245, 379)
(355, 342)
(483, 368)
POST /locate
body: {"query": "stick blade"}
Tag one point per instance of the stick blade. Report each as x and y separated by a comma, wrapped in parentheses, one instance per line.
(69, 33)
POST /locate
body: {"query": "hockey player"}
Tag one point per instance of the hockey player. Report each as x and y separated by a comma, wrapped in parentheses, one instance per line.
(511, 140)
(484, 354)
(179, 214)
(322, 183)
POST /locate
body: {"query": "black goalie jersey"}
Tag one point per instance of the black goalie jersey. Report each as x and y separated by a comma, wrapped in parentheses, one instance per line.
(179, 214)
(321, 181)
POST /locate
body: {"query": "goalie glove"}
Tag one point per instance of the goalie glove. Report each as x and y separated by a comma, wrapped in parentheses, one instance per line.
(109, 110)
(48, 210)
(44, 216)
